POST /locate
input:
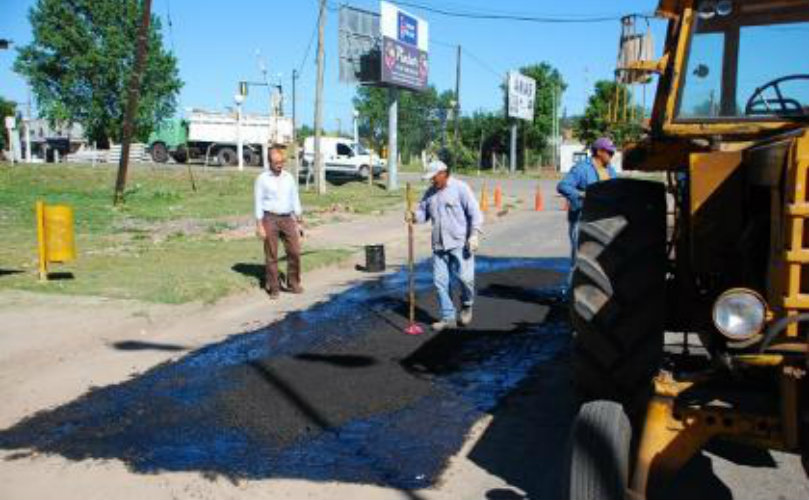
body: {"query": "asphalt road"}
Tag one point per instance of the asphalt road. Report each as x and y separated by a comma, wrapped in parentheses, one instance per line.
(334, 392)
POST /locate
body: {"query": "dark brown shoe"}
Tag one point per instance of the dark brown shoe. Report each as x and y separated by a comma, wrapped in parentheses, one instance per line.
(296, 290)
(273, 294)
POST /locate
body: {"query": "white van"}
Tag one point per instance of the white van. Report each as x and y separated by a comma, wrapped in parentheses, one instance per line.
(342, 158)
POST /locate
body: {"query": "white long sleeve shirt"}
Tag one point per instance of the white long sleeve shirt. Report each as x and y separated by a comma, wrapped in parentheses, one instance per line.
(277, 194)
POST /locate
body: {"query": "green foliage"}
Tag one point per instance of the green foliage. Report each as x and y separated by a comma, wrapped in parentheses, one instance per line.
(596, 122)
(420, 122)
(485, 133)
(550, 86)
(303, 132)
(80, 63)
(6, 109)
(458, 156)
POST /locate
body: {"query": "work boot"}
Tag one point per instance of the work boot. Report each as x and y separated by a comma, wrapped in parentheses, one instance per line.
(444, 324)
(296, 290)
(273, 294)
(466, 316)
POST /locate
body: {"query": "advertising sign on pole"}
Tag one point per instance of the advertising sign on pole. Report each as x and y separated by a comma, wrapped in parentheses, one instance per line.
(404, 48)
(521, 95)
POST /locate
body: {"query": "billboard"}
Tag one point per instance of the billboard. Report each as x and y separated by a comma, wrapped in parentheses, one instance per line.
(521, 96)
(405, 37)
(359, 45)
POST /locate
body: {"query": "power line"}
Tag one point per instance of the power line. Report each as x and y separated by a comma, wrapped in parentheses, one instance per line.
(512, 17)
(308, 48)
(483, 64)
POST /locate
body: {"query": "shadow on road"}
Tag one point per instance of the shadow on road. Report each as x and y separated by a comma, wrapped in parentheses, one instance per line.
(344, 360)
(137, 345)
(698, 480)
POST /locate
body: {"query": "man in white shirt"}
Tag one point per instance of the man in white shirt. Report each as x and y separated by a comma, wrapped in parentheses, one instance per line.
(278, 215)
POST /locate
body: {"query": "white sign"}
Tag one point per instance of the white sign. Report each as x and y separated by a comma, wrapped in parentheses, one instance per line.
(521, 95)
(11, 123)
(405, 38)
(403, 26)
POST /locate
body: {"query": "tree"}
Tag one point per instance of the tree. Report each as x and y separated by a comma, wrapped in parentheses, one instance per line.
(550, 86)
(420, 120)
(80, 63)
(303, 132)
(596, 121)
(6, 109)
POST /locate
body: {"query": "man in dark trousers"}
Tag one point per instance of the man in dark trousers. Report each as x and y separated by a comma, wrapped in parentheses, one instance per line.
(278, 216)
(594, 169)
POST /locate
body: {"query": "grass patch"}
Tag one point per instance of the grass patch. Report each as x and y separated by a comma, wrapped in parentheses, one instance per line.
(163, 245)
(176, 271)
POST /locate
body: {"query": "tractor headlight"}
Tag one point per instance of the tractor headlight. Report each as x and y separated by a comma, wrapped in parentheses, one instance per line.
(739, 314)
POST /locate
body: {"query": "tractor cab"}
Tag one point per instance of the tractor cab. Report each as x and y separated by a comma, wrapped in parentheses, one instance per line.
(734, 67)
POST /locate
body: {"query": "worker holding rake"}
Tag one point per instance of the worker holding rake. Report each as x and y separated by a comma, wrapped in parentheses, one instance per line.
(450, 205)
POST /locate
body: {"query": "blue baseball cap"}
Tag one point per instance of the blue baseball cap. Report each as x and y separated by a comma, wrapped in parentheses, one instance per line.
(604, 143)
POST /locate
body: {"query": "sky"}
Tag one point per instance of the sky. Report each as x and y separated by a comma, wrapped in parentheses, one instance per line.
(217, 43)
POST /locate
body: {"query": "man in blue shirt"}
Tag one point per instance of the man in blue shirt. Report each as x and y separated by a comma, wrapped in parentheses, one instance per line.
(453, 210)
(597, 168)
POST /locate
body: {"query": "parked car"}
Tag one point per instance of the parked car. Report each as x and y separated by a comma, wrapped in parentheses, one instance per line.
(342, 158)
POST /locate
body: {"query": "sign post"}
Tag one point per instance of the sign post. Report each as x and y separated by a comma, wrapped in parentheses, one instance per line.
(404, 63)
(521, 96)
(393, 139)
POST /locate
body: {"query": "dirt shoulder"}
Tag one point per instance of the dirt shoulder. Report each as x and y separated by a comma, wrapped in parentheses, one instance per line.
(55, 348)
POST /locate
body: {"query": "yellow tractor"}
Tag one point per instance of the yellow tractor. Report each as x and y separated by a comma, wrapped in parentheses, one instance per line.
(690, 297)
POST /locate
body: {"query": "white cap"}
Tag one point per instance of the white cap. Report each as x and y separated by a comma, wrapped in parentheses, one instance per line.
(433, 168)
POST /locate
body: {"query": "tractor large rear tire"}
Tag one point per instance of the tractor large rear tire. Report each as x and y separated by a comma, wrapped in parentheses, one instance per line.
(598, 453)
(619, 285)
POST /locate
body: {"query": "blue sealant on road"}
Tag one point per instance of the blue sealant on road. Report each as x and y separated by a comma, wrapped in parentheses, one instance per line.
(332, 393)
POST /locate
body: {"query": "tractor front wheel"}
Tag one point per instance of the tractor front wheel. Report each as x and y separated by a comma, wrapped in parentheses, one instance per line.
(598, 453)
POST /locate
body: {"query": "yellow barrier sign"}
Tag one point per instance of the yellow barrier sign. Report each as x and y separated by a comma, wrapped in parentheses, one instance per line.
(54, 236)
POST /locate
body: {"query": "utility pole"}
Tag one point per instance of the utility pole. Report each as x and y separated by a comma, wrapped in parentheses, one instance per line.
(393, 139)
(320, 179)
(295, 124)
(555, 127)
(132, 102)
(513, 149)
(294, 104)
(239, 99)
(457, 94)
(28, 128)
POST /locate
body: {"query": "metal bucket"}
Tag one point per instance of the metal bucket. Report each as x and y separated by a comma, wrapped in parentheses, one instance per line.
(374, 258)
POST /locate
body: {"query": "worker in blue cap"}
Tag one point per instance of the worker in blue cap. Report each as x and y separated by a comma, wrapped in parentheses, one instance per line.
(594, 169)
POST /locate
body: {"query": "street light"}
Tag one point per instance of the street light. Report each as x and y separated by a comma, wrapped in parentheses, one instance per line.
(239, 99)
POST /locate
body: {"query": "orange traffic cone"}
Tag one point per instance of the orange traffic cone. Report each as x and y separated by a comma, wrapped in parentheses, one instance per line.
(484, 199)
(539, 205)
(498, 196)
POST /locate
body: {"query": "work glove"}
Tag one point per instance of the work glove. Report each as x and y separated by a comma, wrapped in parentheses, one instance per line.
(473, 243)
(410, 217)
(260, 232)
